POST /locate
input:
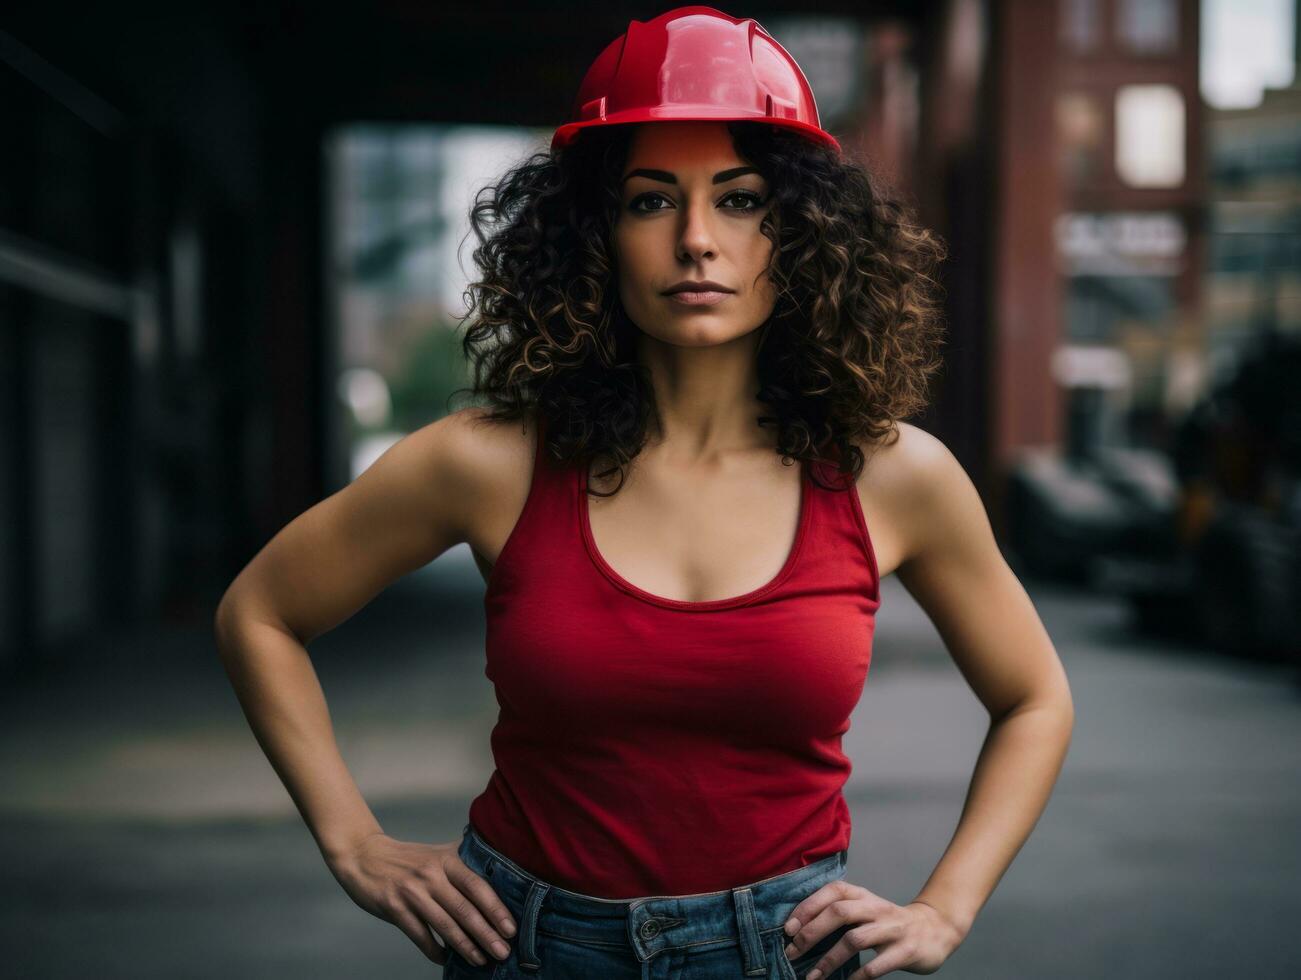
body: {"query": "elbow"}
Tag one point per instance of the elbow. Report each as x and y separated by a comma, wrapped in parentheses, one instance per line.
(220, 621)
(1054, 703)
(1062, 700)
(1049, 696)
(1065, 709)
(239, 617)
(224, 620)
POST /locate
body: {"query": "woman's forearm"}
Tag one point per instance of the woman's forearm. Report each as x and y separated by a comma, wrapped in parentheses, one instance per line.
(277, 687)
(1014, 776)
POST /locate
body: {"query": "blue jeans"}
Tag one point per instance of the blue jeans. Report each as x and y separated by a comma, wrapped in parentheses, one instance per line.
(562, 935)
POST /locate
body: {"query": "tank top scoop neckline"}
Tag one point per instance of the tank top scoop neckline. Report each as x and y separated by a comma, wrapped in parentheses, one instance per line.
(550, 478)
(728, 602)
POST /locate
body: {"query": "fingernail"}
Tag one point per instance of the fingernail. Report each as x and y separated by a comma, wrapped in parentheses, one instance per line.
(813, 975)
(790, 952)
(478, 957)
(508, 927)
(792, 926)
(501, 949)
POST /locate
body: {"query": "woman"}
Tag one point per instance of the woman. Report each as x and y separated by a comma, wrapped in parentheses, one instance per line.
(691, 289)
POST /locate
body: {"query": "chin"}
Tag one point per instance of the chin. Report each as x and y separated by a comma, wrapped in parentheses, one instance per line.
(704, 332)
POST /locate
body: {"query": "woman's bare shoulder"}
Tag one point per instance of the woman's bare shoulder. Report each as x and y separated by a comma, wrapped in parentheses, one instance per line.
(928, 494)
(488, 464)
(480, 448)
(906, 477)
(449, 481)
(910, 457)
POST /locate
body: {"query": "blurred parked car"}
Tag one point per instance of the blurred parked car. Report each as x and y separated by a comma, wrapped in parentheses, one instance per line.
(1206, 541)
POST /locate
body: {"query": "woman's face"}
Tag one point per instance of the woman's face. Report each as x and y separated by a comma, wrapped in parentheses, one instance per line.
(691, 211)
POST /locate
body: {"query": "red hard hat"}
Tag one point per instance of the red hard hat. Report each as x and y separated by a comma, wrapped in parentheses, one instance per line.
(694, 63)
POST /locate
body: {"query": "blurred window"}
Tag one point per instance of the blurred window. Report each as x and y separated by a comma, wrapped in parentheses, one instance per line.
(1245, 48)
(1105, 308)
(1150, 148)
(1081, 128)
(1080, 24)
(400, 260)
(1148, 26)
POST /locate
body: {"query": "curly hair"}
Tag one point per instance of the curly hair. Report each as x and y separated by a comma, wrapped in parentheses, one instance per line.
(847, 352)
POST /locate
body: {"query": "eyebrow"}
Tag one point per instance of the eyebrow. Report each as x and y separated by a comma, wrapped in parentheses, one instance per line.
(666, 177)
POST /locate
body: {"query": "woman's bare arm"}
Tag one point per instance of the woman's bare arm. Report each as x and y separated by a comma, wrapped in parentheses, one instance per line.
(409, 507)
(954, 569)
(317, 571)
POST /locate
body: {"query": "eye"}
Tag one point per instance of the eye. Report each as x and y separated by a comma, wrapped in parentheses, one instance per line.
(750, 201)
(648, 196)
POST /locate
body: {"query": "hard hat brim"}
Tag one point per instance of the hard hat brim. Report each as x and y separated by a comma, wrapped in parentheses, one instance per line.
(568, 132)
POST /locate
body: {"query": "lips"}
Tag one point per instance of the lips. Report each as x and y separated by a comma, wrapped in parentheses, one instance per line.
(691, 297)
(697, 286)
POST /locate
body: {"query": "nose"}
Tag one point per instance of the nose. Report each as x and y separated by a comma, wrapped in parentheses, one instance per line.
(696, 238)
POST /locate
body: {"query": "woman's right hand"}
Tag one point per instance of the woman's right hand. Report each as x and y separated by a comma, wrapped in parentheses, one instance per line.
(417, 887)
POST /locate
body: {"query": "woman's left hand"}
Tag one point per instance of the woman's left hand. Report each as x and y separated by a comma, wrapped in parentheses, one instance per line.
(915, 938)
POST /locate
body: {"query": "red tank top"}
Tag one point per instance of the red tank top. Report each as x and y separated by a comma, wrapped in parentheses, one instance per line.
(654, 746)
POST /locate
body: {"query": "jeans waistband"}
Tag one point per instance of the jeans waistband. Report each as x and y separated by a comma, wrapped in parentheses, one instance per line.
(653, 923)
